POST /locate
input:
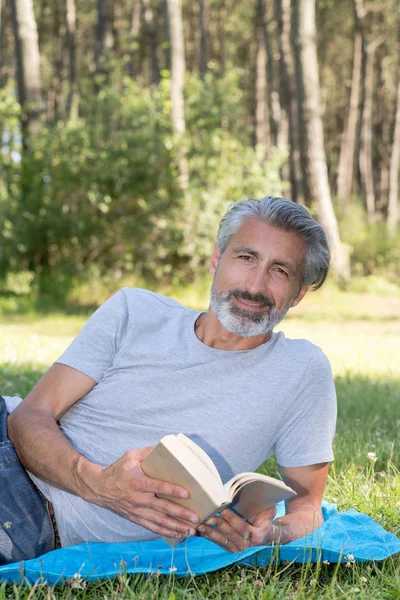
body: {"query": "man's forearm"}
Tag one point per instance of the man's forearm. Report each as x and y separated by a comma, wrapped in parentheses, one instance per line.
(294, 526)
(44, 450)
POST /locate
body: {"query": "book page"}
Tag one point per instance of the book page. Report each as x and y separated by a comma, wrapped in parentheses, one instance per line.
(174, 462)
(201, 455)
(252, 493)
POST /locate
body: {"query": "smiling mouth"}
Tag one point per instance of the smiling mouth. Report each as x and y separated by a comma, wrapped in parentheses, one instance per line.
(250, 304)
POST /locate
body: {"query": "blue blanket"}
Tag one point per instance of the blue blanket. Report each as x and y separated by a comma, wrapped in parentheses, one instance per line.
(349, 536)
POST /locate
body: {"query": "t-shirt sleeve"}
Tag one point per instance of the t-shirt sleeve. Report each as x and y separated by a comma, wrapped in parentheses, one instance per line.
(93, 350)
(307, 435)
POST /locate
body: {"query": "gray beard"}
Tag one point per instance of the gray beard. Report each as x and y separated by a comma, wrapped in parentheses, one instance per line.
(240, 321)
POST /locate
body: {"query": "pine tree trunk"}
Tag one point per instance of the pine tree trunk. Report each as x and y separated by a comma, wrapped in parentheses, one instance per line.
(177, 83)
(262, 132)
(366, 167)
(2, 10)
(203, 19)
(222, 16)
(274, 107)
(55, 99)
(1, 27)
(317, 172)
(28, 68)
(349, 136)
(393, 215)
(104, 32)
(70, 12)
(167, 43)
(134, 30)
(150, 34)
(289, 98)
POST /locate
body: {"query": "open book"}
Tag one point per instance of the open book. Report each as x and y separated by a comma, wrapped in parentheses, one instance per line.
(179, 460)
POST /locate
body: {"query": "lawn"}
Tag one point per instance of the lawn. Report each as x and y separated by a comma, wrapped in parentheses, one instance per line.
(361, 336)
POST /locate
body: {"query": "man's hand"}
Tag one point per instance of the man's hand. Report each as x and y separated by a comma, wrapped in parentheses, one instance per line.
(233, 533)
(123, 488)
(303, 514)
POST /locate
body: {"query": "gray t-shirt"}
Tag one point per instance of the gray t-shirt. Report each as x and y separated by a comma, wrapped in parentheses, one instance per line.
(155, 377)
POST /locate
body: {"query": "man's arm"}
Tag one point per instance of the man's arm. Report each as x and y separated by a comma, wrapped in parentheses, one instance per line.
(303, 514)
(121, 487)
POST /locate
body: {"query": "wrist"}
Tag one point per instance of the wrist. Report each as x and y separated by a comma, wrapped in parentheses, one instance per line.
(86, 474)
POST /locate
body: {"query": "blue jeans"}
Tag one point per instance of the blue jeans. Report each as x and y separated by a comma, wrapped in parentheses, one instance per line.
(26, 530)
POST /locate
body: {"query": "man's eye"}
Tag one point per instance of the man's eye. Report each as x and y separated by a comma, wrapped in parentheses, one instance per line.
(281, 271)
(246, 257)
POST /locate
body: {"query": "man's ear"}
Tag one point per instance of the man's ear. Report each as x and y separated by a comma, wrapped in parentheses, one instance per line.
(214, 259)
(302, 292)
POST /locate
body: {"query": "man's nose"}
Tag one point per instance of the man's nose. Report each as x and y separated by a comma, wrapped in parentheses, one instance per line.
(257, 282)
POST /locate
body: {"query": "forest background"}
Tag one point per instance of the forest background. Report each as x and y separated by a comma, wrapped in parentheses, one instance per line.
(128, 126)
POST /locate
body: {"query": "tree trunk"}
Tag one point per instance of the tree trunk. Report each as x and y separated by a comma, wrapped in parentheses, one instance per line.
(28, 68)
(366, 167)
(167, 59)
(203, 18)
(222, 16)
(262, 132)
(177, 83)
(349, 136)
(289, 98)
(1, 26)
(134, 30)
(55, 102)
(274, 107)
(104, 32)
(1, 37)
(150, 33)
(70, 14)
(317, 172)
(393, 204)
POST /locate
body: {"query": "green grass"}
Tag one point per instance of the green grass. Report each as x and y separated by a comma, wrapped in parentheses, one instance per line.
(360, 333)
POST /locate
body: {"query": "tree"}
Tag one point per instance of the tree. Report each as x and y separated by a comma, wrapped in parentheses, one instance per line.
(177, 83)
(203, 18)
(262, 131)
(393, 204)
(104, 32)
(289, 97)
(70, 19)
(316, 170)
(149, 31)
(27, 68)
(349, 135)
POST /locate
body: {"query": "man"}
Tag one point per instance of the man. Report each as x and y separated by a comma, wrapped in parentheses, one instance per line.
(145, 366)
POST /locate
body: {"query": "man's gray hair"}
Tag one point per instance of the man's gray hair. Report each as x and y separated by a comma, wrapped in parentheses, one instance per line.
(288, 216)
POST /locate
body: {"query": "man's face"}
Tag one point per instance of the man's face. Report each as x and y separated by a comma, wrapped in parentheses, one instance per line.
(257, 279)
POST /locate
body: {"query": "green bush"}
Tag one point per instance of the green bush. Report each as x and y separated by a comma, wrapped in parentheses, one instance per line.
(373, 250)
(100, 194)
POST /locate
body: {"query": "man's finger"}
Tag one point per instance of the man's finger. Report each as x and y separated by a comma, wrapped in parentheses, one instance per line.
(163, 488)
(162, 521)
(173, 510)
(218, 537)
(242, 539)
(236, 521)
(164, 531)
(141, 453)
(262, 517)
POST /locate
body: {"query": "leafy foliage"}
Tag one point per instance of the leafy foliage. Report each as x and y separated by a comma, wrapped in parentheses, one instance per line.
(99, 193)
